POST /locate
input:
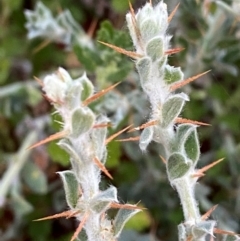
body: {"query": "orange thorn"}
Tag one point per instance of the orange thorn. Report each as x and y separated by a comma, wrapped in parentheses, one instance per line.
(143, 126)
(173, 51)
(102, 125)
(40, 82)
(53, 101)
(136, 138)
(186, 81)
(208, 213)
(48, 99)
(125, 206)
(204, 169)
(173, 13)
(79, 229)
(198, 175)
(115, 135)
(92, 28)
(41, 46)
(131, 8)
(217, 230)
(134, 21)
(55, 136)
(150, 1)
(99, 94)
(183, 120)
(163, 159)
(102, 167)
(59, 215)
(190, 238)
(73, 214)
(131, 54)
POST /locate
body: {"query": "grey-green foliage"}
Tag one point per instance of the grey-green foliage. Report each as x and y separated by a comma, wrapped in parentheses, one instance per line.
(61, 29)
(84, 140)
(148, 31)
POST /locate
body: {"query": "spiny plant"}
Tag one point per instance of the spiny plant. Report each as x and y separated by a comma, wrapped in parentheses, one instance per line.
(178, 136)
(84, 137)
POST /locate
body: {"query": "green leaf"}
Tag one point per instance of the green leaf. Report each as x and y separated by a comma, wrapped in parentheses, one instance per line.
(122, 217)
(172, 108)
(177, 166)
(57, 154)
(88, 58)
(139, 222)
(5, 68)
(71, 188)
(172, 74)
(82, 121)
(154, 48)
(82, 236)
(20, 206)
(34, 177)
(145, 138)
(114, 154)
(120, 6)
(107, 33)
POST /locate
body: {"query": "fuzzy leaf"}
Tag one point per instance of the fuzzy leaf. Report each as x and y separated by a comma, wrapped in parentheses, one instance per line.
(34, 177)
(172, 74)
(98, 137)
(182, 133)
(145, 138)
(82, 121)
(192, 147)
(172, 108)
(104, 199)
(71, 188)
(186, 141)
(122, 217)
(154, 48)
(177, 166)
(148, 29)
(88, 87)
(73, 95)
(66, 145)
(82, 236)
(144, 69)
(20, 206)
(161, 63)
(203, 228)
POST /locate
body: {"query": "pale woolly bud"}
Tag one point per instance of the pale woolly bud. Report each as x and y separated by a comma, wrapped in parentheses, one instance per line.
(150, 22)
(56, 85)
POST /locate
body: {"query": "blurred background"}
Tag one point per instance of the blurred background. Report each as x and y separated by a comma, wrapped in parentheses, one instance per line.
(38, 37)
